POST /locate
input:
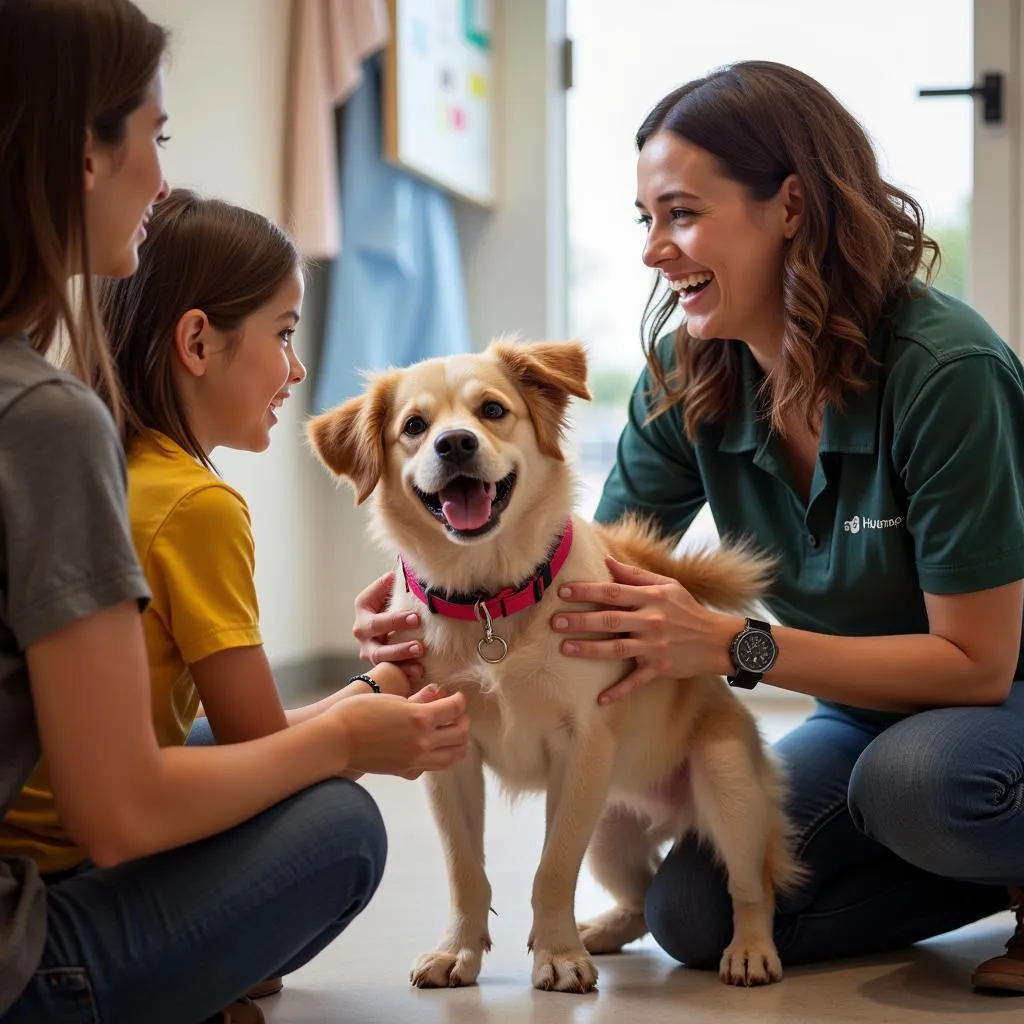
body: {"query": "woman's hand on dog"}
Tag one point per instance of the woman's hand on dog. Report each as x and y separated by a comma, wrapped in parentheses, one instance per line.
(392, 680)
(391, 735)
(375, 627)
(659, 625)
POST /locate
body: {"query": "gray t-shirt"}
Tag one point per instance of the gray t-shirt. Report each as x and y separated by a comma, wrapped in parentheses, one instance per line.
(65, 553)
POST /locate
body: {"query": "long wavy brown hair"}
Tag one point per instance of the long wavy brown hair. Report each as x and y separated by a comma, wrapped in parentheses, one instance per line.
(65, 66)
(860, 244)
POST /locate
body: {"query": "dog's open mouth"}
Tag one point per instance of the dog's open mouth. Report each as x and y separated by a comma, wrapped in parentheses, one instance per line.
(469, 506)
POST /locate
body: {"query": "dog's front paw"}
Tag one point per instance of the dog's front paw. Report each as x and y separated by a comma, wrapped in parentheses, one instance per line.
(571, 971)
(442, 969)
(754, 962)
(612, 930)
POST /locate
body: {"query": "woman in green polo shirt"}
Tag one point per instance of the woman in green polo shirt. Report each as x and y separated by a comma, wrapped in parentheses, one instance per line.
(867, 431)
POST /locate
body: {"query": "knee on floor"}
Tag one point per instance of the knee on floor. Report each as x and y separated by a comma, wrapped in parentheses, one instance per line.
(688, 910)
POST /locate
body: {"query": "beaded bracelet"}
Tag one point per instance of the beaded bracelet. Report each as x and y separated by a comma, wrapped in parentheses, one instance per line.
(365, 679)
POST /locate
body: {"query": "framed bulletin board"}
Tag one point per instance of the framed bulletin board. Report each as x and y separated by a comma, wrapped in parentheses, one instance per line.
(439, 95)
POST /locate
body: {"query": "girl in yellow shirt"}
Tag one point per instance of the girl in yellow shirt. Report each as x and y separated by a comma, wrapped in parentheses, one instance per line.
(201, 336)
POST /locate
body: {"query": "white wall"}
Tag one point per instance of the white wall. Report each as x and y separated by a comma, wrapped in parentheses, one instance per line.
(515, 255)
(225, 93)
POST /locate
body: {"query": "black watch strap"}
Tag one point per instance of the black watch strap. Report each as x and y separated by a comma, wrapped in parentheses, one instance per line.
(745, 679)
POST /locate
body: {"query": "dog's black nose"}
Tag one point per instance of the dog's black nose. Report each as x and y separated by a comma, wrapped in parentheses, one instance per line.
(456, 446)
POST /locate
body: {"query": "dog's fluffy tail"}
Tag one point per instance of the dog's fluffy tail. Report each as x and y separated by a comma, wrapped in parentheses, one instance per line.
(729, 578)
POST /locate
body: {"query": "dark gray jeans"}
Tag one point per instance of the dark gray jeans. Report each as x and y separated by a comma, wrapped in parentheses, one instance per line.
(909, 830)
(170, 939)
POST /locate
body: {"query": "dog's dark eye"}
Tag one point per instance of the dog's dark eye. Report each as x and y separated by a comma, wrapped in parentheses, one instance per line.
(414, 425)
(492, 410)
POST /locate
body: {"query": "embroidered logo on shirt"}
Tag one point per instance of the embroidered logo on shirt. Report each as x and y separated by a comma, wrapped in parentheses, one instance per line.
(856, 524)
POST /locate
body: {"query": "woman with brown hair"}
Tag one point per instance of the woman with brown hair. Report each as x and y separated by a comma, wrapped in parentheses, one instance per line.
(213, 868)
(867, 431)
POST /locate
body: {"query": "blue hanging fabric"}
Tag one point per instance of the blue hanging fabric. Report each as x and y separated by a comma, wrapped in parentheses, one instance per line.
(396, 294)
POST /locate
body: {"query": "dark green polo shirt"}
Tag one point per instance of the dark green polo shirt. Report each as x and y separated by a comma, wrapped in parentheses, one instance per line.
(918, 486)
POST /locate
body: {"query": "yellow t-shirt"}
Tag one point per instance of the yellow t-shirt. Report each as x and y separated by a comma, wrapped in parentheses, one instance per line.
(193, 536)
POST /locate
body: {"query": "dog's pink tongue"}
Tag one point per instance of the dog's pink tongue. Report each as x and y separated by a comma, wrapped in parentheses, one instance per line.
(466, 504)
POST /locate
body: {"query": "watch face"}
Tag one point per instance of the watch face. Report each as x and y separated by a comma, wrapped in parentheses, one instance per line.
(756, 651)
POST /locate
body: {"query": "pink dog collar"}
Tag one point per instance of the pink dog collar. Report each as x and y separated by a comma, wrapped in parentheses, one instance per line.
(503, 604)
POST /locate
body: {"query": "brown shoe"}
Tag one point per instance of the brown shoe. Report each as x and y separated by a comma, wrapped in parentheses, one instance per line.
(241, 1011)
(1006, 971)
(270, 987)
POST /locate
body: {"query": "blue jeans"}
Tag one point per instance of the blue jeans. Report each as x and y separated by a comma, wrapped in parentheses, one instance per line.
(170, 939)
(909, 828)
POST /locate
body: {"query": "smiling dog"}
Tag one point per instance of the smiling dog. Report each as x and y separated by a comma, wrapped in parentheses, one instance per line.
(464, 458)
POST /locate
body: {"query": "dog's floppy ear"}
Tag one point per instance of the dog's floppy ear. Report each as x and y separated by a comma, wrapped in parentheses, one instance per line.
(350, 438)
(548, 373)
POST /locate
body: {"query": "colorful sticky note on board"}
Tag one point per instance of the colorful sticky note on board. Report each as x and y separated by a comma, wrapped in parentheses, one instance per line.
(477, 86)
(420, 38)
(458, 119)
(476, 23)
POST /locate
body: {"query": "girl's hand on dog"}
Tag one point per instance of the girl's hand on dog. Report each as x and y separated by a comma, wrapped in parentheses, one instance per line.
(374, 628)
(659, 625)
(390, 678)
(389, 735)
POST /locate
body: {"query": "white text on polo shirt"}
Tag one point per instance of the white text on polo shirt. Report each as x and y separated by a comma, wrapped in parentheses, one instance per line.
(856, 524)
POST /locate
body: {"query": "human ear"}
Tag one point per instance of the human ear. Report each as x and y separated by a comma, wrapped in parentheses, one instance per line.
(191, 342)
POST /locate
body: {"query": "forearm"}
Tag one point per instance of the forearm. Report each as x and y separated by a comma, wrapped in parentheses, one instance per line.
(197, 792)
(887, 673)
(310, 711)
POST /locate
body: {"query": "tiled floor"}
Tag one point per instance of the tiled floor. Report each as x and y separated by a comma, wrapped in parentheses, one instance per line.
(363, 977)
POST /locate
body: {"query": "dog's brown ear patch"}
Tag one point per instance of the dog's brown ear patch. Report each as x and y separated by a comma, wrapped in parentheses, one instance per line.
(549, 373)
(350, 438)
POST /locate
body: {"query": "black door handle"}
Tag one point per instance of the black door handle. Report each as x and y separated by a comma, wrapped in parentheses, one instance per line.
(990, 90)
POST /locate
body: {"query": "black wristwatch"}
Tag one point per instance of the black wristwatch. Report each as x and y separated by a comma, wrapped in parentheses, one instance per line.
(753, 651)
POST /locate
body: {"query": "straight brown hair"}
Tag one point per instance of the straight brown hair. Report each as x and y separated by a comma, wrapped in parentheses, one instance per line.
(65, 66)
(199, 254)
(859, 246)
